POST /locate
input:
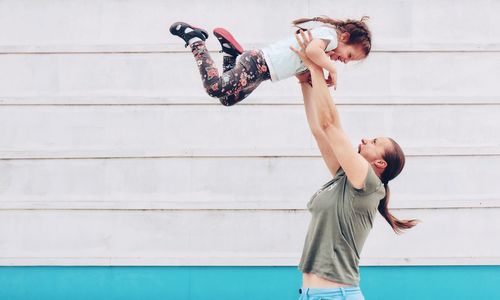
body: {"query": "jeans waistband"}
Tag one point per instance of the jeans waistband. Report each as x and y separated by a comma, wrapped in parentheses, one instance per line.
(330, 292)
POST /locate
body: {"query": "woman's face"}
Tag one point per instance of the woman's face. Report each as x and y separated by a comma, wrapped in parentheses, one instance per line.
(374, 149)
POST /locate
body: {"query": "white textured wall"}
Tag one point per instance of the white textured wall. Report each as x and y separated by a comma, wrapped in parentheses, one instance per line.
(111, 153)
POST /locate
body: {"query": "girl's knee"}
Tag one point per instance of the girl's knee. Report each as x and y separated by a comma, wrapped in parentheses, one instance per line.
(214, 90)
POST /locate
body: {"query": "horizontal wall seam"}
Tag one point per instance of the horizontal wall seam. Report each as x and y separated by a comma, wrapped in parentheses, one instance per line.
(111, 52)
(12, 158)
(136, 102)
(291, 259)
(291, 210)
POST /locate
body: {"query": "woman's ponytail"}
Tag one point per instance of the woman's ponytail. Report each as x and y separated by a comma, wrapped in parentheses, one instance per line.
(395, 160)
(397, 225)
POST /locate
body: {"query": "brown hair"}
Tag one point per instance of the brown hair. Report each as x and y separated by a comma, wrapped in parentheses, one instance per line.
(395, 162)
(359, 34)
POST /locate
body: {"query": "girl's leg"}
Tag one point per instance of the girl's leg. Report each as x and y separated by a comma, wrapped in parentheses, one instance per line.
(229, 46)
(228, 63)
(215, 85)
(233, 99)
(255, 71)
(235, 84)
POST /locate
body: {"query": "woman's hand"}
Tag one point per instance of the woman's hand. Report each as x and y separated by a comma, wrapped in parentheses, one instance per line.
(304, 77)
(303, 40)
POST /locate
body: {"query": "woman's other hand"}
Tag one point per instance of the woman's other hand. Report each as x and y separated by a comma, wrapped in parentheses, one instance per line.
(303, 40)
(304, 77)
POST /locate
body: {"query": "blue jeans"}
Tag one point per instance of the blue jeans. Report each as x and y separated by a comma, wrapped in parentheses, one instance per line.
(347, 293)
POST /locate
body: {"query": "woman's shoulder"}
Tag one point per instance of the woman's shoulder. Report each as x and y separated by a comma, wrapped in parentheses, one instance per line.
(372, 183)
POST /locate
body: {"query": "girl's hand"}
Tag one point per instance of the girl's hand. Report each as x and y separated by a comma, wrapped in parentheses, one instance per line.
(332, 76)
(329, 81)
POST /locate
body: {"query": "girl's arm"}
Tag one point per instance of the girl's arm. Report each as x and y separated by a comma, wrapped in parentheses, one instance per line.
(319, 135)
(315, 50)
(355, 166)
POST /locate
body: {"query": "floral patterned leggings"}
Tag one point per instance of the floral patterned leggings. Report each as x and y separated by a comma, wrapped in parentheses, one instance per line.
(239, 79)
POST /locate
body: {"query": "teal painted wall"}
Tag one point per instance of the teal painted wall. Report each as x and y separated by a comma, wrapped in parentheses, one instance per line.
(238, 283)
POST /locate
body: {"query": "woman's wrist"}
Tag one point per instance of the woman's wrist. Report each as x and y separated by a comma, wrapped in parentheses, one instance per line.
(315, 69)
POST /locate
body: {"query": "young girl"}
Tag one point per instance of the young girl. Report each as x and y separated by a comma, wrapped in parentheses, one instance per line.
(334, 40)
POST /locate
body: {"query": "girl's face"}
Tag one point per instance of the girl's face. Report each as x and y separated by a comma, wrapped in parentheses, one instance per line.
(346, 53)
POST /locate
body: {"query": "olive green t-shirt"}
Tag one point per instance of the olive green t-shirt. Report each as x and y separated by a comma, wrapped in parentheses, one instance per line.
(342, 217)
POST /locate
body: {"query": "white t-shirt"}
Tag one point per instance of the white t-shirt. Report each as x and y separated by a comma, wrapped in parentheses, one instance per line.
(284, 63)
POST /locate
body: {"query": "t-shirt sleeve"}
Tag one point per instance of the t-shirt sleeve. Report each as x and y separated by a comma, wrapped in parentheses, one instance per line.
(328, 34)
(368, 198)
(372, 183)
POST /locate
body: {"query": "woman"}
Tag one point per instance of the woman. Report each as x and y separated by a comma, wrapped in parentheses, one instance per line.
(343, 210)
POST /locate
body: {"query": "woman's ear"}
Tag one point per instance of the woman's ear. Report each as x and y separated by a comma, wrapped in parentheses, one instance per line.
(380, 164)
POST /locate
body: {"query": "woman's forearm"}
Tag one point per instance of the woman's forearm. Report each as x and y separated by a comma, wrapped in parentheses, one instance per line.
(319, 135)
(311, 114)
(323, 104)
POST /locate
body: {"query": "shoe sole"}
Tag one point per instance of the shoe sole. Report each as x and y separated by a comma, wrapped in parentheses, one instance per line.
(222, 33)
(173, 28)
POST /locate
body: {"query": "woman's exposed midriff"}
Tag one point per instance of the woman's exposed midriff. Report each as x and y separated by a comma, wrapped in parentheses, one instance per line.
(310, 280)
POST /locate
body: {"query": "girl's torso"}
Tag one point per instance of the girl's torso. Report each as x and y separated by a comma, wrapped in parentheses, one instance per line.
(284, 63)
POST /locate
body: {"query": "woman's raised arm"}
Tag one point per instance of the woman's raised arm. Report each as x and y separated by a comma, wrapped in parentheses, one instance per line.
(312, 119)
(355, 166)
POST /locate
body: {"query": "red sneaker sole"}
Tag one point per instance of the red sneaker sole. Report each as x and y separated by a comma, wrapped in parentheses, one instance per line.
(226, 35)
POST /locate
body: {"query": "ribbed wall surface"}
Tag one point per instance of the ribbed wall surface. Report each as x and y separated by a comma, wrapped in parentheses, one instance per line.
(112, 154)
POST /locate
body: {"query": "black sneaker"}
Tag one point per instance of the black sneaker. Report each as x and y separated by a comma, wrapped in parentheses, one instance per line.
(187, 32)
(228, 42)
